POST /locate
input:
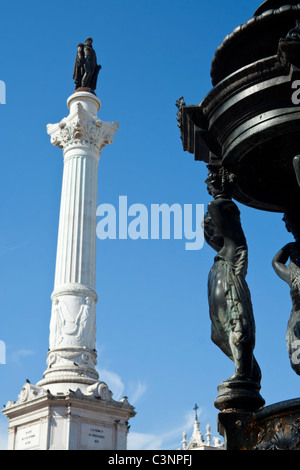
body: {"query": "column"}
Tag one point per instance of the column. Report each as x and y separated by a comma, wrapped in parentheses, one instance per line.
(72, 354)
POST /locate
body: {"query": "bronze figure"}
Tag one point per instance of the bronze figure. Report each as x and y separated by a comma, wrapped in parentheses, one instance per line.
(291, 275)
(230, 306)
(86, 69)
(79, 66)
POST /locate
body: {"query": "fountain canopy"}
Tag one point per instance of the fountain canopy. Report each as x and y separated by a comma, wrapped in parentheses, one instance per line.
(250, 121)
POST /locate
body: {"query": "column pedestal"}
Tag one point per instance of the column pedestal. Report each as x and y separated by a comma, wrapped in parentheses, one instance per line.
(67, 421)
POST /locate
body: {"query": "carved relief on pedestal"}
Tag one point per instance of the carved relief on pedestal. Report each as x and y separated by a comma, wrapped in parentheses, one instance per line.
(28, 392)
(100, 390)
(75, 357)
(82, 127)
(72, 322)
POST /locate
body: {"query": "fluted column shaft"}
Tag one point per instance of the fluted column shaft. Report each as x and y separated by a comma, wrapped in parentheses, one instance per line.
(76, 248)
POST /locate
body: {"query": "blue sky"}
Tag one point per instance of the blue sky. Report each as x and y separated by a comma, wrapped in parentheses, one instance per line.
(153, 327)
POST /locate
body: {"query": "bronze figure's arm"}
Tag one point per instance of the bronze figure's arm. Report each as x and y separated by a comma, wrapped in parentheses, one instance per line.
(279, 263)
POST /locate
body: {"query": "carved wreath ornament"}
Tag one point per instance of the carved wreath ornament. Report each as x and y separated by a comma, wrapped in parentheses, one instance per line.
(81, 127)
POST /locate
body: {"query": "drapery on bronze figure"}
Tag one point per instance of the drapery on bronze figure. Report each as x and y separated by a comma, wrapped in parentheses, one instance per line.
(291, 275)
(86, 69)
(230, 306)
(78, 67)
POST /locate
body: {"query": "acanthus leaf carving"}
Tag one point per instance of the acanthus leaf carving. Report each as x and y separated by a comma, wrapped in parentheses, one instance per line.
(81, 127)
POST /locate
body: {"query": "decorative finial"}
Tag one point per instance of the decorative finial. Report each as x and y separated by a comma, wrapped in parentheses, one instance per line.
(184, 441)
(208, 434)
(196, 408)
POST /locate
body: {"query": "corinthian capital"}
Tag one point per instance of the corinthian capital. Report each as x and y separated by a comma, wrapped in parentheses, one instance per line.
(83, 128)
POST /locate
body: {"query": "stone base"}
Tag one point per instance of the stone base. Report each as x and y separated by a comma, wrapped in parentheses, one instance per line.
(72, 421)
(239, 395)
(275, 427)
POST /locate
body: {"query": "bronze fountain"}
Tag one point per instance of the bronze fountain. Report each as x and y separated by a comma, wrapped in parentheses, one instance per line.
(246, 130)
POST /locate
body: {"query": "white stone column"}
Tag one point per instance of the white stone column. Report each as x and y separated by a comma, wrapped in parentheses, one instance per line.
(72, 355)
(70, 409)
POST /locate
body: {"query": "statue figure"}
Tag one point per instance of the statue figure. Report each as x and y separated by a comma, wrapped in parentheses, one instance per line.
(86, 70)
(55, 337)
(78, 67)
(86, 332)
(230, 306)
(291, 275)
